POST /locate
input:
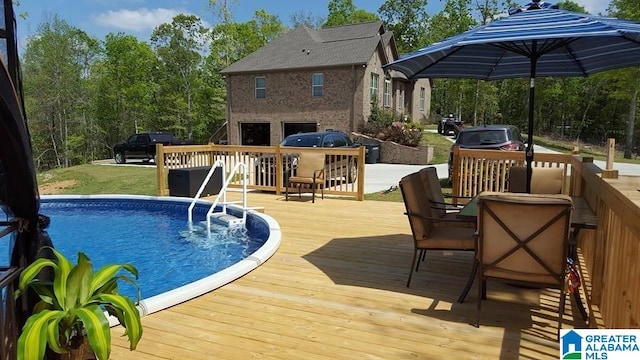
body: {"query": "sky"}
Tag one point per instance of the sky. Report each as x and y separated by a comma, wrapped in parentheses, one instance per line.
(140, 17)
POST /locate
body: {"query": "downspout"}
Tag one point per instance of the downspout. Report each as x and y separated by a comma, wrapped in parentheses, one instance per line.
(228, 108)
(353, 101)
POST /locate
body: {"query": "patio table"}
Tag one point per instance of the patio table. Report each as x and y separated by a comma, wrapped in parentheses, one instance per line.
(581, 218)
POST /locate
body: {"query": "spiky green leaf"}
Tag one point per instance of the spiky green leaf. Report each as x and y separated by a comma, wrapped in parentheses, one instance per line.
(108, 274)
(33, 339)
(60, 278)
(53, 335)
(98, 332)
(128, 315)
(79, 281)
(28, 274)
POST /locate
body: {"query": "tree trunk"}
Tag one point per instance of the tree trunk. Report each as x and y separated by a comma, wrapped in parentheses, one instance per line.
(628, 151)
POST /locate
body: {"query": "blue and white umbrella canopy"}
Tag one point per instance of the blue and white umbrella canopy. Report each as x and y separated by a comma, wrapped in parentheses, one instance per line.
(561, 43)
(538, 41)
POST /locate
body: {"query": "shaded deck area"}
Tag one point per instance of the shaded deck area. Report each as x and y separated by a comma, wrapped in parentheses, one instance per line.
(336, 290)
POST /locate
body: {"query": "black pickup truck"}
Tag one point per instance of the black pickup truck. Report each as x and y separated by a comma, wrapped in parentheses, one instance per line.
(143, 146)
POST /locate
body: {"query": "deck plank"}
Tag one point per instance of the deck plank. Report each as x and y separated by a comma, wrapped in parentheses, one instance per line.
(335, 289)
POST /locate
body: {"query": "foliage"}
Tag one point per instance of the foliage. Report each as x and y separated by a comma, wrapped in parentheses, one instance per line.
(56, 64)
(125, 75)
(307, 19)
(83, 95)
(344, 12)
(408, 20)
(390, 125)
(71, 306)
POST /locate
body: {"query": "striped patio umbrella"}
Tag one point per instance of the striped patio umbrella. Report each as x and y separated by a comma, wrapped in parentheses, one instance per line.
(535, 41)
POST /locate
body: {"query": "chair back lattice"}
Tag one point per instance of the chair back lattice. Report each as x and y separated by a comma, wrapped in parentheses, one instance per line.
(524, 237)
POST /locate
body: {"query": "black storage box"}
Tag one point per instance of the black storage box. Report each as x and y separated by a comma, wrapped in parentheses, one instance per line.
(186, 182)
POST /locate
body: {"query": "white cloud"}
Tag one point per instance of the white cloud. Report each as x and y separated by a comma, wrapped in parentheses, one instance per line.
(136, 20)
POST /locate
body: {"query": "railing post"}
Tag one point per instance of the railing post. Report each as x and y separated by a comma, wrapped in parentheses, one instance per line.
(280, 183)
(161, 174)
(455, 174)
(361, 161)
(211, 155)
(609, 172)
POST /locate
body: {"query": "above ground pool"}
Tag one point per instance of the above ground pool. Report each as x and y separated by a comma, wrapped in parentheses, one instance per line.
(175, 261)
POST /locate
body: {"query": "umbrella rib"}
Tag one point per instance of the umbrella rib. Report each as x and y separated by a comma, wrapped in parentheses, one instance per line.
(512, 47)
(574, 58)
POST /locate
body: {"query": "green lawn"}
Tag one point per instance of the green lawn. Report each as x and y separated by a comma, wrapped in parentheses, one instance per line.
(139, 180)
(101, 179)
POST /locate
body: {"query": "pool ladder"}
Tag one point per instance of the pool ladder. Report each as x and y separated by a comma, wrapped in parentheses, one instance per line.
(223, 216)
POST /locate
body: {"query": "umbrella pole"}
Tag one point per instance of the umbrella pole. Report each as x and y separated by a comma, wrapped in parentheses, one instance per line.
(532, 93)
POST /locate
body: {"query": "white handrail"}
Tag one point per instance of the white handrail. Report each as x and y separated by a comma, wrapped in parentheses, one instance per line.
(223, 193)
(218, 163)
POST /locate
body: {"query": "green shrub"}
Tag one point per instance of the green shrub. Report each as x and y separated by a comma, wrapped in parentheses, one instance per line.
(389, 125)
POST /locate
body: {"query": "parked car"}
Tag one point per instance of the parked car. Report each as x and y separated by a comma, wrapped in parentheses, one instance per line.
(143, 146)
(488, 137)
(449, 124)
(324, 139)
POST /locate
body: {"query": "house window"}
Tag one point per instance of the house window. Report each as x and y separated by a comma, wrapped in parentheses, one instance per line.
(317, 84)
(422, 93)
(261, 88)
(386, 102)
(373, 91)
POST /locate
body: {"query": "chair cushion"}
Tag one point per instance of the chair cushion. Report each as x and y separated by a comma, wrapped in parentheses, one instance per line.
(543, 180)
(448, 237)
(454, 216)
(305, 180)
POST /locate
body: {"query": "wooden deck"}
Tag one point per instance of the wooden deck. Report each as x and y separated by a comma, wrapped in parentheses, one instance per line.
(336, 290)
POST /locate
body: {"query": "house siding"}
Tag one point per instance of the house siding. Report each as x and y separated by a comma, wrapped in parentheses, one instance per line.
(289, 99)
(345, 104)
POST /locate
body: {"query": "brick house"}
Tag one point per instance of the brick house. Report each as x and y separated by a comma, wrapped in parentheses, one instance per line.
(314, 80)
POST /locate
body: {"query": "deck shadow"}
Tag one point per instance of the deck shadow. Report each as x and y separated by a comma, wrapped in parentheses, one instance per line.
(383, 262)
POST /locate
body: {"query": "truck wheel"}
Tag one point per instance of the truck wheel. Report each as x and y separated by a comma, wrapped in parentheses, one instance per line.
(352, 171)
(120, 159)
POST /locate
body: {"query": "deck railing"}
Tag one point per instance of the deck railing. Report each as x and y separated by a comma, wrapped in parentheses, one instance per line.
(475, 171)
(608, 255)
(268, 166)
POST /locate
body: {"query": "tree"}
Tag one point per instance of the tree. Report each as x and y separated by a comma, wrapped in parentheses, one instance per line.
(57, 66)
(124, 77)
(460, 96)
(629, 9)
(307, 19)
(408, 19)
(344, 12)
(179, 46)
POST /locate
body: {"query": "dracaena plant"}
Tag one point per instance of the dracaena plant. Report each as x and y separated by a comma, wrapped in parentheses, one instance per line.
(73, 306)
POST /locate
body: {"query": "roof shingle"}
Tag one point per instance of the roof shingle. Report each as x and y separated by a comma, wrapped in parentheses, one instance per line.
(303, 47)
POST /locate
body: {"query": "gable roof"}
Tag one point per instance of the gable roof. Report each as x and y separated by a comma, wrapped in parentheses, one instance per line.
(303, 47)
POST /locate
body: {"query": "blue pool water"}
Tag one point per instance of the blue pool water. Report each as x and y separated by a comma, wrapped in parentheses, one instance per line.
(152, 235)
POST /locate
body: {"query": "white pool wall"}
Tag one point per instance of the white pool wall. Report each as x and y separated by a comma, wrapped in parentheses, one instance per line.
(209, 283)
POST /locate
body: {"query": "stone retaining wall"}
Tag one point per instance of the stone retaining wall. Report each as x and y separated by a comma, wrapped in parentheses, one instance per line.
(394, 153)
